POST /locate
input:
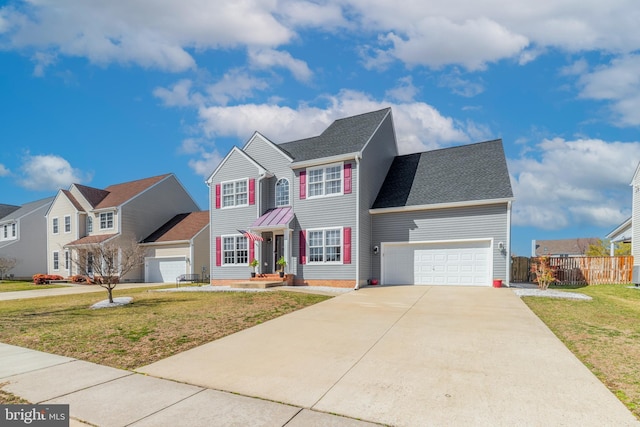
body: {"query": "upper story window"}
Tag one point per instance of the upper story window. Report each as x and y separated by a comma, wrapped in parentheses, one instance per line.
(67, 224)
(54, 225)
(5, 231)
(14, 228)
(106, 220)
(235, 193)
(324, 181)
(89, 224)
(282, 192)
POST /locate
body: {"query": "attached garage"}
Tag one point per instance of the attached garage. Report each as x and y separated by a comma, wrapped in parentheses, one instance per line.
(465, 263)
(164, 270)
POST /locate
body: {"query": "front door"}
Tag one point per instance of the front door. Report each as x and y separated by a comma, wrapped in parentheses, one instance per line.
(278, 251)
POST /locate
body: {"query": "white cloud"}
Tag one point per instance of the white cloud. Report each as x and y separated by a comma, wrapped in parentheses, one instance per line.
(179, 95)
(235, 85)
(49, 172)
(270, 58)
(4, 171)
(405, 91)
(584, 181)
(461, 86)
(619, 83)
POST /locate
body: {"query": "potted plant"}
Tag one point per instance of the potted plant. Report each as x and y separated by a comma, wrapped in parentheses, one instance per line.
(282, 263)
(253, 264)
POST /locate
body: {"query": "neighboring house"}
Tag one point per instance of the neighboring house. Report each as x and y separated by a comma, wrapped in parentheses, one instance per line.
(563, 247)
(621, 234)
(635, 225)
(132, 210)
(180, 246)
(343, 208)
(23, 236)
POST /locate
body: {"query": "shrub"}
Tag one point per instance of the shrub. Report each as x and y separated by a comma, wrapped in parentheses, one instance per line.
(42, 279)
(544, 273)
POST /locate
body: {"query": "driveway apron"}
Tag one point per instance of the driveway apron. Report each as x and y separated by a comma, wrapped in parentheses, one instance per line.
(408, 355)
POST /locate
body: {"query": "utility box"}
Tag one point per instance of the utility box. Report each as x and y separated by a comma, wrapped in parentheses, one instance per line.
(635, 275)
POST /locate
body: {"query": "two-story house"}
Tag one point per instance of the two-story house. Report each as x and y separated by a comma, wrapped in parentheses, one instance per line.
(82, 216)
(343, 209)
(23, 237)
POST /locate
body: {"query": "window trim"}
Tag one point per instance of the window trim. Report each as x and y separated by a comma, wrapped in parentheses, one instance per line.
(308, 183)
(67, 260)
(324, 252)
(55, 225)
(107, 222)
(14, 230)
(89, 224)
(56, 261)
(235, 194)
(235, 237)
(67, 226)
(288, 192)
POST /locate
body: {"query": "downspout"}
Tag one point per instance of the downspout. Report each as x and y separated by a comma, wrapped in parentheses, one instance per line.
(258, 213)
(357, 239)
(508, 278)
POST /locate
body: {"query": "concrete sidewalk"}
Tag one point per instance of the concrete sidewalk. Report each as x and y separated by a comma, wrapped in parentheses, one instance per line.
(71, 290)
(110, 397)
(408, 356)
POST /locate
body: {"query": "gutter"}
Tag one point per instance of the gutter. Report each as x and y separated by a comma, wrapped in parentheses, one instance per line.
(508, 248)
(434, 206)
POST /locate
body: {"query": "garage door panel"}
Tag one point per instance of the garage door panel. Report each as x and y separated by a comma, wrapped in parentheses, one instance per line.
(165, 270)
(455, 263)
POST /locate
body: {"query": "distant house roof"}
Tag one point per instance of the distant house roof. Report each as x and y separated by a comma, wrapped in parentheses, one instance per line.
(564, 247)
(343, 136)
(26, 208)
(6, 210)
(180, 228)
(120, 193)
(449, 175)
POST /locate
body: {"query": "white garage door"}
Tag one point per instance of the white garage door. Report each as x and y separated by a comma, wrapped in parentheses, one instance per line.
(165, 270)
(455, 263)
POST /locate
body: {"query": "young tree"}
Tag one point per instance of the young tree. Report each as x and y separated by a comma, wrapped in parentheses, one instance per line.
(6, 264)
(108, 261)
(601, 248)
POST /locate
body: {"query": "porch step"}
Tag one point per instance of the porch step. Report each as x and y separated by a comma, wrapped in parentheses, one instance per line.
(271, 277)
(258, 284)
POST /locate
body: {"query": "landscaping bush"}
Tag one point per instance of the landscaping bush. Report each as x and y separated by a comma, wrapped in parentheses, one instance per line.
(42, 279)
(79, 278)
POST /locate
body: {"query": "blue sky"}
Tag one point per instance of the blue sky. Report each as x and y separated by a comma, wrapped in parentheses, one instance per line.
(105, 92)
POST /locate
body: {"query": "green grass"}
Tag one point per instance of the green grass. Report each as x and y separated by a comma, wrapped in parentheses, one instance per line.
(603, 333)
(13, 286)
(156, 325)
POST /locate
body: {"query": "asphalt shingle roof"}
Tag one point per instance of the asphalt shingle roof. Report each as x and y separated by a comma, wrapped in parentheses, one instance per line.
(181, 227)
(457, 174)
(26, 208)
(7, 209)
(343, 136)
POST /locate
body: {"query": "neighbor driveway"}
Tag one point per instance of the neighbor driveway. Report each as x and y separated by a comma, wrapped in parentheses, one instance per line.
(408, 355)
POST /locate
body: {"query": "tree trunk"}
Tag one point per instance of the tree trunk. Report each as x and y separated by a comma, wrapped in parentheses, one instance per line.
(110, 292)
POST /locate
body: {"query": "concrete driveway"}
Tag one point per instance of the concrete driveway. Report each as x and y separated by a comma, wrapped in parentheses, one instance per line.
(408, 356)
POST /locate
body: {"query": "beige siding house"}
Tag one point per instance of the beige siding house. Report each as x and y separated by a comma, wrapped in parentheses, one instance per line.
(85, 215)
(181, 246)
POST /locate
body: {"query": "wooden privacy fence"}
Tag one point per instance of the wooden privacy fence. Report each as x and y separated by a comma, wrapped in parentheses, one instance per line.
(591, 270)
(520, 269)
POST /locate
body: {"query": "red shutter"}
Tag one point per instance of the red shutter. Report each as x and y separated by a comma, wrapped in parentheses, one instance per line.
(303, 247)
(252, 191)
(217, 196)
(347, 178)
(218, 251)
(252, 249)
(346, 245)
(303, 184)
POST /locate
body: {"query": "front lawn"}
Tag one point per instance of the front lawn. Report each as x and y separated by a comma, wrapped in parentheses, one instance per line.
(156, 325)
(604, 334)
(13, 286)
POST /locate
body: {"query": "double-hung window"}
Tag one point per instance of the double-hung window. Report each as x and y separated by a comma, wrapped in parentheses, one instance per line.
(325, 181)
(54, 225)
(13, 229)
(67, 224)
(325, 245)
(56, 261)
(235, 250)
(5, 231)
(235, 193)
(67, 260)
(89, 224)
(106, 220)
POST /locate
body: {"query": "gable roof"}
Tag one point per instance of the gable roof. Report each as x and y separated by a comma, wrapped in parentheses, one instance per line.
(460, 174)
(181, 227)
(26, 209)
(621, 232)
(120, 193)
(73, 200)
(343, 136)
(92, 195)
(237, 150)
(92, 240)
(7, 209)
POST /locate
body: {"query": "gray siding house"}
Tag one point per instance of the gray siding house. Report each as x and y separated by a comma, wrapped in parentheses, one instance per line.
(23, 236)
(344, 209)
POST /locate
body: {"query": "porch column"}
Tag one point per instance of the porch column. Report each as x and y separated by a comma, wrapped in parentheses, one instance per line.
(287, 249)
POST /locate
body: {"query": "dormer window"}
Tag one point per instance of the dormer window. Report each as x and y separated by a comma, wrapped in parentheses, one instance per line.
(282, 192)
(106, 220)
